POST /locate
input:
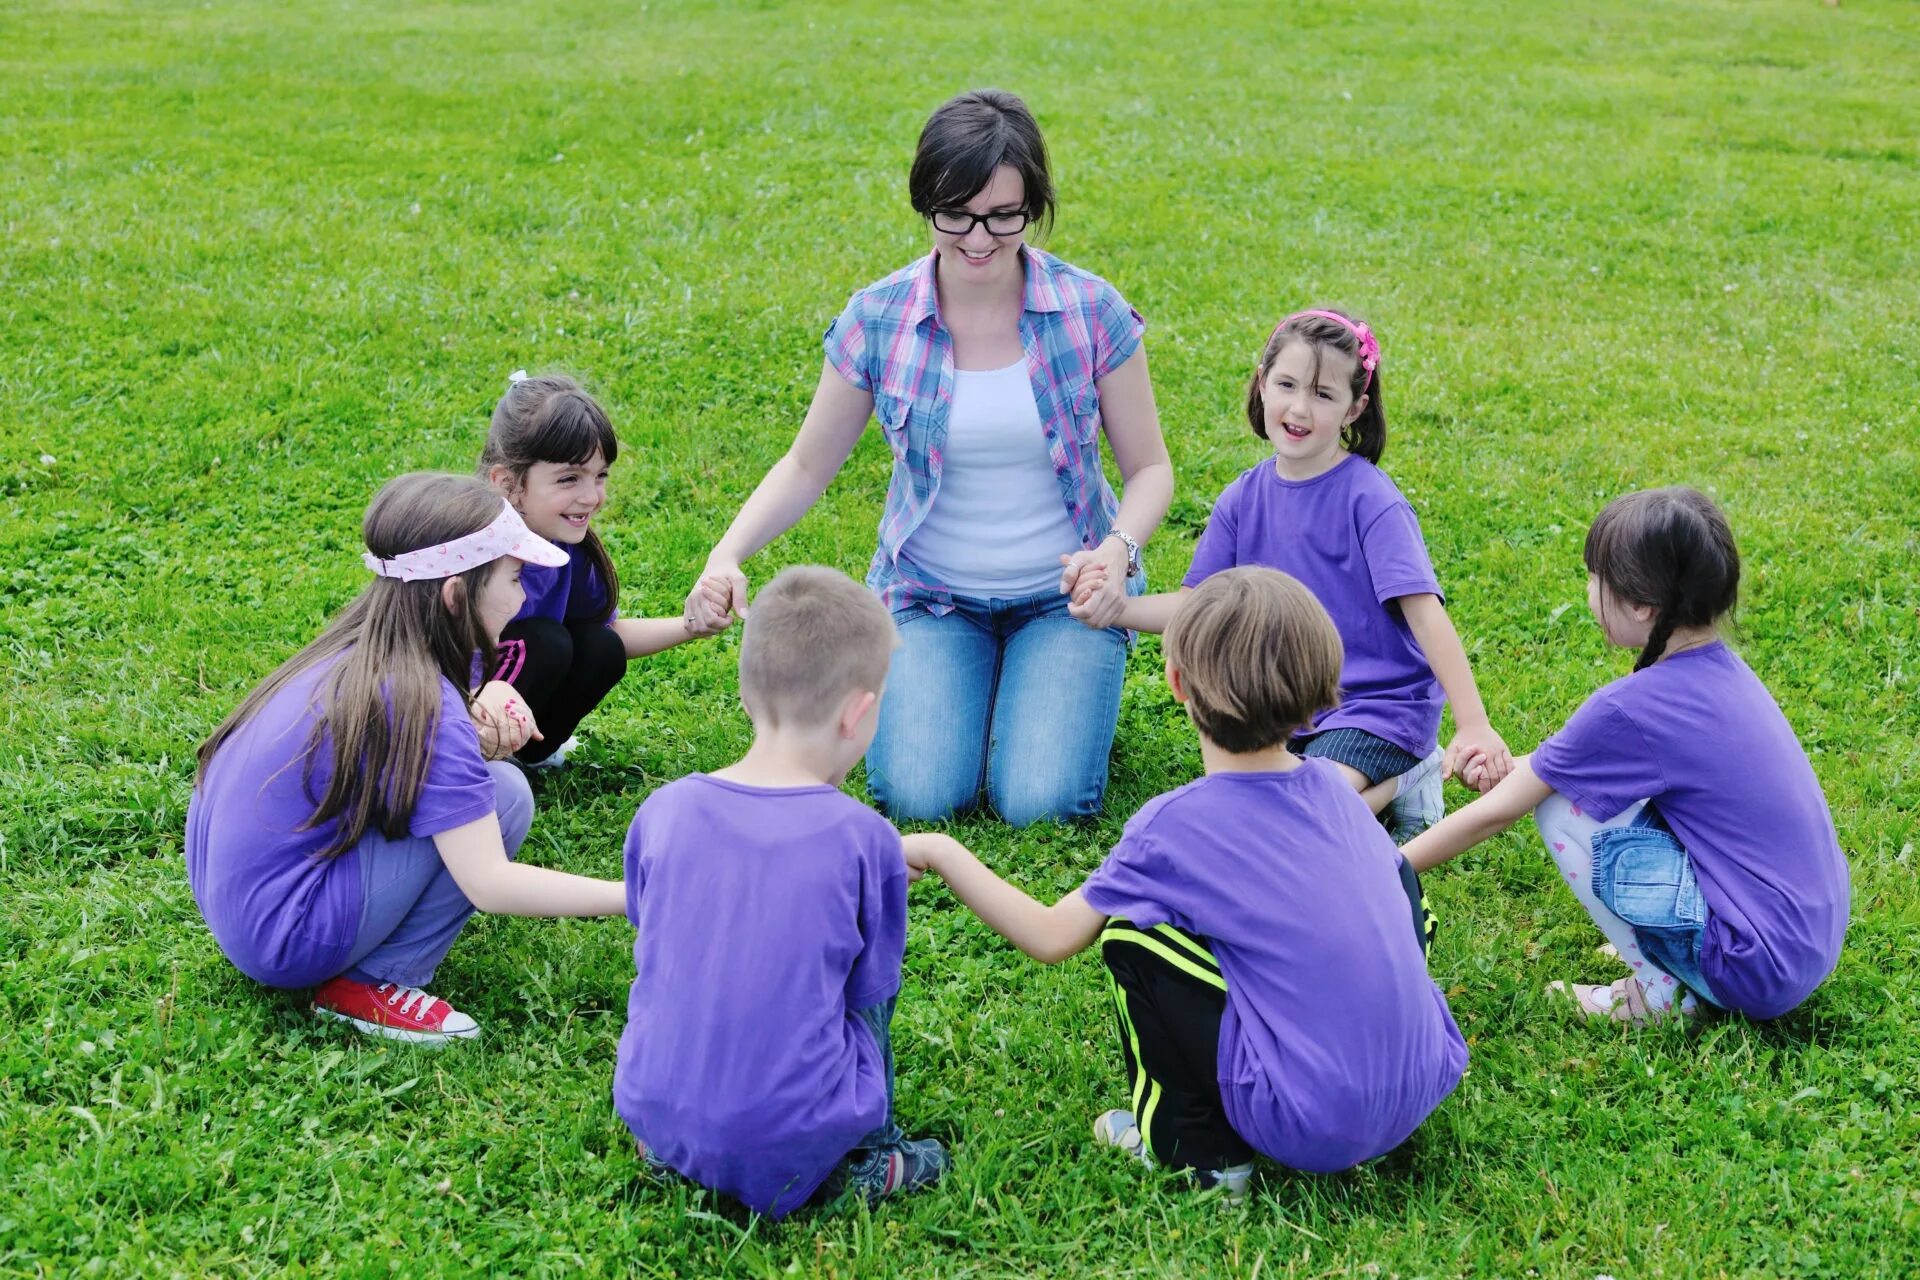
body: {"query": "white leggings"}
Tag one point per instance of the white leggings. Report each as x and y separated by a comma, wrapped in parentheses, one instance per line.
(1569, 835)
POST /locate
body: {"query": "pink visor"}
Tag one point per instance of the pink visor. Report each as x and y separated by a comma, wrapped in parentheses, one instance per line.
(508, 535)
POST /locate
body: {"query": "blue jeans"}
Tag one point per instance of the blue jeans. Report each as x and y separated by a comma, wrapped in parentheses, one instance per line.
(1642, 874)
(879, 1022)
(411, 910)
(1015, 697)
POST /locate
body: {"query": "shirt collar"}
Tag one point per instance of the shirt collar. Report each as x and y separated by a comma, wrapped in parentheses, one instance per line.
(1041, 293)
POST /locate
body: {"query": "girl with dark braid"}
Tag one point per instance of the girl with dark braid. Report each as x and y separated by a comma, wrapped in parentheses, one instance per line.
(1677, 802)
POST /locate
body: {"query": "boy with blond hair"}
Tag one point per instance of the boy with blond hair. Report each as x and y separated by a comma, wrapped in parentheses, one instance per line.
(772, 916)
(1264, 939)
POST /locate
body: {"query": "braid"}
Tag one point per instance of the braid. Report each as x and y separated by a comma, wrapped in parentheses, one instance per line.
(1656, 641)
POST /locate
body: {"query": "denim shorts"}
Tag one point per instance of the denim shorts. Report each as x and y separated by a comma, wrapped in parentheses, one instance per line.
(1642, 874)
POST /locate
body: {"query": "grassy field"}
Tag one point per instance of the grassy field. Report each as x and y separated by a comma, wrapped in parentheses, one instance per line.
(259, 257)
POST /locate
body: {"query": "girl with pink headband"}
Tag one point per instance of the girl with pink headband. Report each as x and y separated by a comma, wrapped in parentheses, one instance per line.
(1322, 510)
(355, 809)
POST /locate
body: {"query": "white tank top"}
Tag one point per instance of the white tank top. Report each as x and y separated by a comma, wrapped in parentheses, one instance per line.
(998, 526)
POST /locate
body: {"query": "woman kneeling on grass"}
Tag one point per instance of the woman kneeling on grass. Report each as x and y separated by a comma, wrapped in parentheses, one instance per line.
(345, 820)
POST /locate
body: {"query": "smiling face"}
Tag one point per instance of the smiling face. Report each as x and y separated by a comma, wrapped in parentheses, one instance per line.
(978, 257)
(1307, 398)
(558, 499)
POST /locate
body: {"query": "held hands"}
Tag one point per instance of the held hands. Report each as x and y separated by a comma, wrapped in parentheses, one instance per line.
(1478, 757)
(502, 719)
(1096, 583)
(716, 600)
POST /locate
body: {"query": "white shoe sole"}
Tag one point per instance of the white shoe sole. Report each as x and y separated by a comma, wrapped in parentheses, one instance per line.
(432, 1039)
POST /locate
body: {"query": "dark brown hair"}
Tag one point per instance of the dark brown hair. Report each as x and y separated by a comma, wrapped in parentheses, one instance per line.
(1257, 655)
(965, 140)
(1366, 435)
(1669, 550)
(380, 705)
(551, 419)
(813, 636)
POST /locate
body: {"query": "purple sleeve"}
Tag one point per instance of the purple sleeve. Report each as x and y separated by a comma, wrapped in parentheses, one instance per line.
(1599, 760)
(1130, 883)
(1397, 555)
(1218, 547)
(1117, 329)
(457, 788)
(883, 922)
(846, 344)
(630, 861)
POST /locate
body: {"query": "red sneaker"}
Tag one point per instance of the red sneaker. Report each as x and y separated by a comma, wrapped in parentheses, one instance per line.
(393, 1011)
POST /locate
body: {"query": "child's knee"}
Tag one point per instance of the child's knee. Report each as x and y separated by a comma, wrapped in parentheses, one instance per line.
(1552, 815)
(512, 803)
(601, 652)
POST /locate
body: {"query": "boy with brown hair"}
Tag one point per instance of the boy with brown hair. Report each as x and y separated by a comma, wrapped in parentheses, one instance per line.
(1270, 981)
(772, 916)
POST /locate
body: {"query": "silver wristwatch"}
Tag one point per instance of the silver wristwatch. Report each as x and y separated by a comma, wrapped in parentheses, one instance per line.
(1133, 552)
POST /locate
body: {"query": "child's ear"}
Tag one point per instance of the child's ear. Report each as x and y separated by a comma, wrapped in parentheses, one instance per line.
(501, 477)
(1174, 683)
(453, 595)
(854, 710)
(1357, 408)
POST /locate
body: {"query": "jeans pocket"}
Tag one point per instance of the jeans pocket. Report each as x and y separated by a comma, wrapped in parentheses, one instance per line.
(1643, 875)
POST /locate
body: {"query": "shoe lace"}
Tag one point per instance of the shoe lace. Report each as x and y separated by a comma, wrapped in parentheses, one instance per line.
(414, 998)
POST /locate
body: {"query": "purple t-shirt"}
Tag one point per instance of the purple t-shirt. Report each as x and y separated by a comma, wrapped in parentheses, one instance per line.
(566, 593)
(1353, 540)
(1699, 735)
(283, 916)
(1335, 1043)
(766, 917)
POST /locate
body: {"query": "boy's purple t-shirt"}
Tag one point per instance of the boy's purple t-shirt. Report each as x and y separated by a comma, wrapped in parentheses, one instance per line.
(766, 917)
(1354, 541)
(1335, 1043)
(283, 916)
(566, 592)
(1699, 736)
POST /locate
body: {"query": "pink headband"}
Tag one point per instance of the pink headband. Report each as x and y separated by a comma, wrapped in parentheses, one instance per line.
(508, 535)
(1369, 345)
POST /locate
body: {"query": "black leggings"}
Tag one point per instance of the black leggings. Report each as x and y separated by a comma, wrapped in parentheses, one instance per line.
(1169, 993)
(563, 670)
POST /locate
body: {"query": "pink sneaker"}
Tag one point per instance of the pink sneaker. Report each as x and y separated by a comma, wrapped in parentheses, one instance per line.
(394, 1012)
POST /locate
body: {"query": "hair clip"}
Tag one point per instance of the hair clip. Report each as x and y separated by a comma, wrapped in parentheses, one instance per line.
(517, 377)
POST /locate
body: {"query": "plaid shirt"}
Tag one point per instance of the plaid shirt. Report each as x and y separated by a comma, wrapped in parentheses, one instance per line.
(1075, 329)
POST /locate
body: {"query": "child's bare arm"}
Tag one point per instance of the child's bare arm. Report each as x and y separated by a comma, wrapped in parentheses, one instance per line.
(1140, 613)
(643, 636)
(1473, 737)
(1517, 795)
(1048, 934)
(477, 858)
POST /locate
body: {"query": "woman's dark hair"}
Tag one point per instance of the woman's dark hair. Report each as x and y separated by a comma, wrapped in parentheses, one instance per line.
(1671, 551)
(1366, 435)
(551, 419)
(380, 705)
(966, 140)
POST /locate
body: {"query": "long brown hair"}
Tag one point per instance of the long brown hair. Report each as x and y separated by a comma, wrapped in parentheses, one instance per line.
(551, 419)
(379, 707)
(1670, 550)
(1366, 435)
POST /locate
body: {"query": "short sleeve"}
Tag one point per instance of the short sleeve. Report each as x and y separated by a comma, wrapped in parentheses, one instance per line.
(846, 345)
(1397, 555)
(875, 976)
(633, 862)
(1129, 883)
(457, 788)
(1600, 760)
(1219, 545)
(1117, 330)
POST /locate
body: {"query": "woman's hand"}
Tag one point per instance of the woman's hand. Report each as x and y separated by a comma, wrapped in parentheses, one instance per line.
(503, 720)
(717, 598)
(1096, 583)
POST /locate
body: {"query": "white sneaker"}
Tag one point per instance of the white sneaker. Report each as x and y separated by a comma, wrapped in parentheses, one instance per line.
(1419, 801)
(559, 756)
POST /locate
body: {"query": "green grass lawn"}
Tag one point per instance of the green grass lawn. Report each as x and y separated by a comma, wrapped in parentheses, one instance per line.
(259, 257)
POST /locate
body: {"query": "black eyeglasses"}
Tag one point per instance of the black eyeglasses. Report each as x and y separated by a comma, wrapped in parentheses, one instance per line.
(958, 222)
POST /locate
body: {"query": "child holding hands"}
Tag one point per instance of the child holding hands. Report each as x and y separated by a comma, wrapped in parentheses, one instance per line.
(1321, 510)
(772, 918)
(1677, 802)
(1264, 940)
